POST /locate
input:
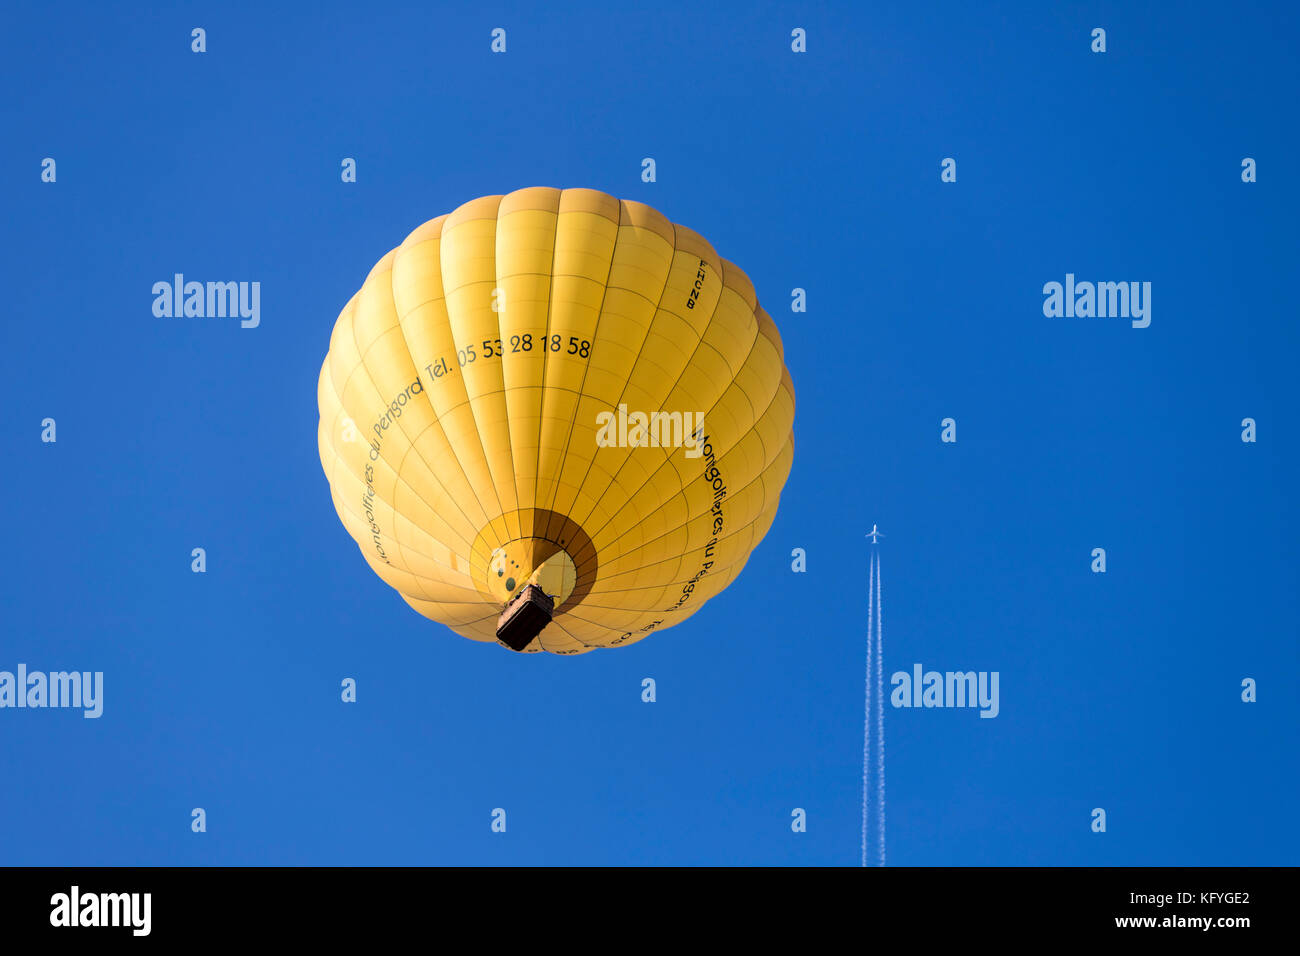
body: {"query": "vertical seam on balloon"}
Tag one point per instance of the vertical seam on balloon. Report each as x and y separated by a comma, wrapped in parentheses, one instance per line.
(721, 574)
(690, 359)
(669, 457)
(468, 401)
(640, 349)
(403, 549)
(758, 418)
(428, 398)
(505, 389)
(487, 511)
(428, 392)
(759, 476)
(582, 385)
(759, 479)
(397, 476)
(687, 365)
(361, 366)
(541, 395)
(353, 513)
(500, 509)
(411, 442)
(581, 389)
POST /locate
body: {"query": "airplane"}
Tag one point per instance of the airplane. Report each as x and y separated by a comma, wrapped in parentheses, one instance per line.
(875, 534)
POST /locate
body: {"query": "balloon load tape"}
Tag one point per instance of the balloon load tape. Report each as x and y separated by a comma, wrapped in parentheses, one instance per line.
(524, 618)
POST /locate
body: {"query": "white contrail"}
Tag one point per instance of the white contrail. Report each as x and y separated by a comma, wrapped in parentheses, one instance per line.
(866, 720)
(880, 718)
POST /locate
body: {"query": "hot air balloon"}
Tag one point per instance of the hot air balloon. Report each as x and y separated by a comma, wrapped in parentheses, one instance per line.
(555, 420)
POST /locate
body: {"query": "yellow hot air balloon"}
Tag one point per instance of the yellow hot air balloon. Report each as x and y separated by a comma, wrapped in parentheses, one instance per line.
(555, 420)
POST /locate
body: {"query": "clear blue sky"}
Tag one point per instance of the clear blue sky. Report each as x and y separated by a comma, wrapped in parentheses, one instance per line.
(818, 171)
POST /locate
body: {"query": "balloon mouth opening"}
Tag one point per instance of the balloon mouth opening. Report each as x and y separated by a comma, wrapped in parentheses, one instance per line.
(535, 565)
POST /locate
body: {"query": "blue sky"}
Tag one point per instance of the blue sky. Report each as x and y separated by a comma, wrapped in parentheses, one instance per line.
(820, 171)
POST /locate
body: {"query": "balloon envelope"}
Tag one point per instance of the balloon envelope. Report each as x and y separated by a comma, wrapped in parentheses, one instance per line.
(562, 390)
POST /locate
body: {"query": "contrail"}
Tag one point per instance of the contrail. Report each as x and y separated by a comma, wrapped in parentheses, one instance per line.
(866, 719)
(880, 719)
